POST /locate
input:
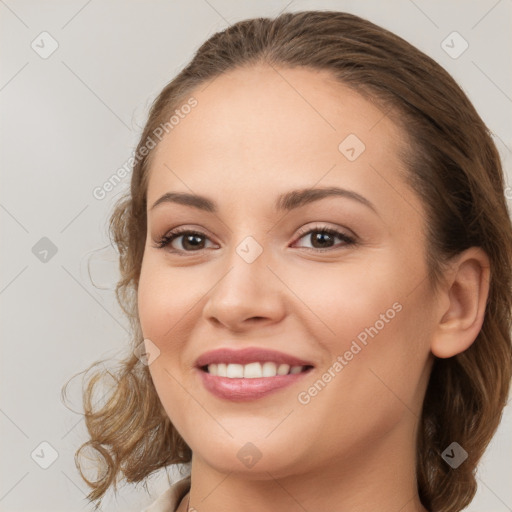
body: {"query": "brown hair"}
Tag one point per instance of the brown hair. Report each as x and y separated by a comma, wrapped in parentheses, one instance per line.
(454, 167)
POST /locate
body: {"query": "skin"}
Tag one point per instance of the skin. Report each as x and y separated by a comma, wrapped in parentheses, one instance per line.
(256, 133)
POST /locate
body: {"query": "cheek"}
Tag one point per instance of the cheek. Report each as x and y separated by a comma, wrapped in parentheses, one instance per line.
(163, 301)
(372, 321)
(164, 306)
(351, 301)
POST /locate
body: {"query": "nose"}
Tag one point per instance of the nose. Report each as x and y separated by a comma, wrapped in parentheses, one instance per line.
(245, 295)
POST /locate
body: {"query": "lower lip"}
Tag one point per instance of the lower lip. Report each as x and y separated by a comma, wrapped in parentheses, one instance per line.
(241, 390)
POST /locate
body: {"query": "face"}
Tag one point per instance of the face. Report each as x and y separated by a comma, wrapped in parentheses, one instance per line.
(336, 281)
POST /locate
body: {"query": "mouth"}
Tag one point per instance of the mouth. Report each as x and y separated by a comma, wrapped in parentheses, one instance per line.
(249, 374)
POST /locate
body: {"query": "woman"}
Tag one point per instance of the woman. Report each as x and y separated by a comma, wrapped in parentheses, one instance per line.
(316, 258)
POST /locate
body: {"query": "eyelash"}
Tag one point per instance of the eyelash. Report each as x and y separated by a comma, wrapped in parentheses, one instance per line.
(169, 237)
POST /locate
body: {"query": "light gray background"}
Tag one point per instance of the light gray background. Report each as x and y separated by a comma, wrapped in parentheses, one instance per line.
(68, 123)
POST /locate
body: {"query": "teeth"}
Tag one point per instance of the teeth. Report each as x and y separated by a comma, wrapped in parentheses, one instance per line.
(283, 369)
(252, 370)
(234, 371)
(269, 369)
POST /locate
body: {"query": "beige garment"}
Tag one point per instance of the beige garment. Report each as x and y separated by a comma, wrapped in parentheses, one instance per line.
(171, 498)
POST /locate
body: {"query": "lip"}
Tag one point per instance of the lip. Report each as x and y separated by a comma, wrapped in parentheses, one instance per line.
(242, 390)
(249, 355)
(239, 389)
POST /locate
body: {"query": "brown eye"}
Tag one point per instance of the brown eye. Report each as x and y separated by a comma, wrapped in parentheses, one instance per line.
(182, 241)
(324, 238)
(191, 241)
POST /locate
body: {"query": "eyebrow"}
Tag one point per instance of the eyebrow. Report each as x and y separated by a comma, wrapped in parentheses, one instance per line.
(285, 202)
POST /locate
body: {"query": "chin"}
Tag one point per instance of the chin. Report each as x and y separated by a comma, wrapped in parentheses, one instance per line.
(255, 460)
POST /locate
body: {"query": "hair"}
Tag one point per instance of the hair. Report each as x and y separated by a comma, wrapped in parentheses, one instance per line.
(452, 164)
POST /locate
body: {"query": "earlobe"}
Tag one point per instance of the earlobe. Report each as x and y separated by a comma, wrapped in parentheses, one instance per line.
(466, 291)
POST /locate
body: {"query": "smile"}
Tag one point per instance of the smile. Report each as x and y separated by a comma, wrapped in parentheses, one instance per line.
(249, 373)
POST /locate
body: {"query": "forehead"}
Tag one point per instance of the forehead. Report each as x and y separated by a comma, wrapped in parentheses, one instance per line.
(264, 128)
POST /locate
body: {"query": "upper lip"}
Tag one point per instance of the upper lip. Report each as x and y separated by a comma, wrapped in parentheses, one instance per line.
(248, 355)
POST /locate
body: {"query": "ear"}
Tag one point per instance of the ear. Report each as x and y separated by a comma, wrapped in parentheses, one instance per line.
(461, 301)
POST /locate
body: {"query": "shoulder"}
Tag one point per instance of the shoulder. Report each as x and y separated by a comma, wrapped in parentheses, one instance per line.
(169, 500)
